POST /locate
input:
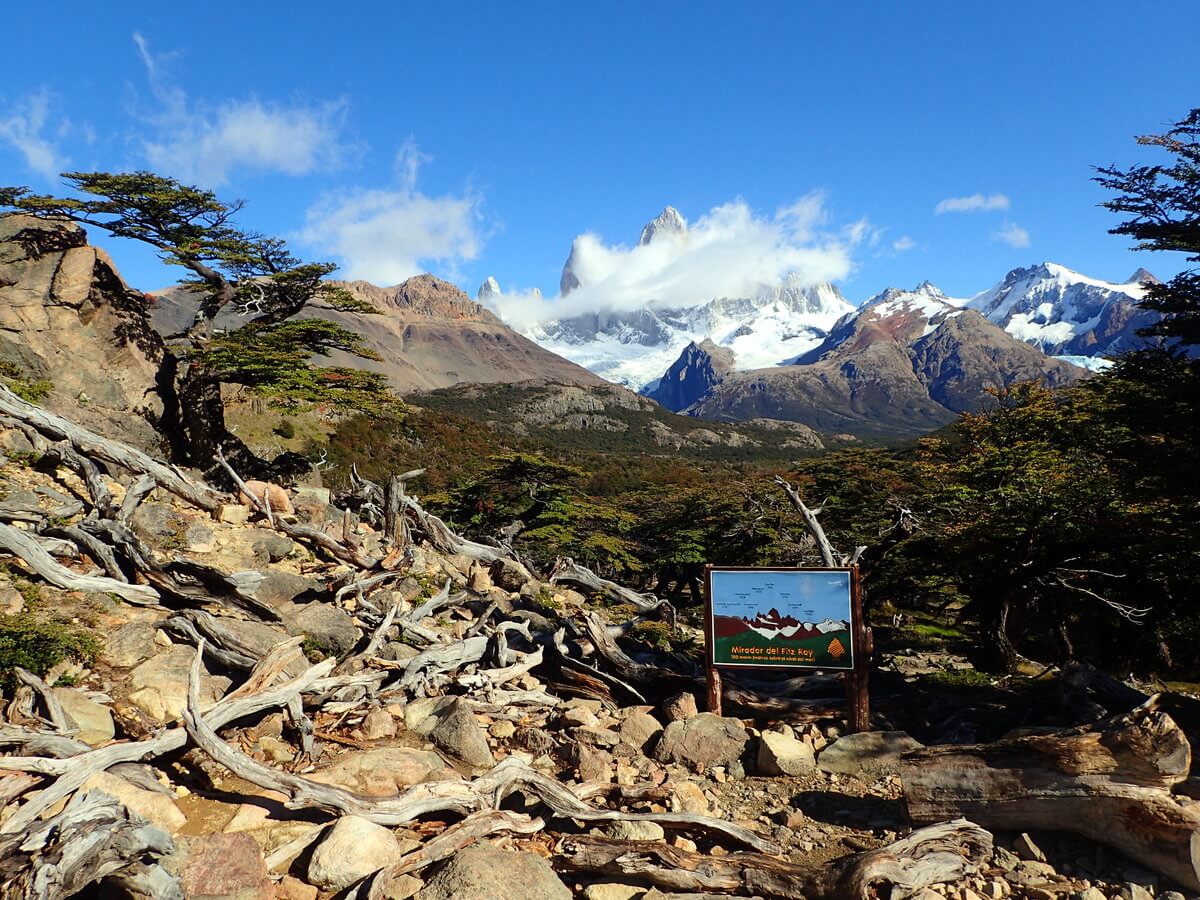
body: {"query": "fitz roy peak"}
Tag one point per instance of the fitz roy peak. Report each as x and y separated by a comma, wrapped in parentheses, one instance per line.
(772, 326)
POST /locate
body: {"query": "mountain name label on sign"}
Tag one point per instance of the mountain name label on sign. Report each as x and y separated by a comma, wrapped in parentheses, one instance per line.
(796, 618)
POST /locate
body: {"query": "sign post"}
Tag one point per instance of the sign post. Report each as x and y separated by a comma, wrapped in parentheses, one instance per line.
(788, 618)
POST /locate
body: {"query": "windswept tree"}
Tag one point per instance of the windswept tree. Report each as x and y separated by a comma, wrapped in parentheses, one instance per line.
(250, 280)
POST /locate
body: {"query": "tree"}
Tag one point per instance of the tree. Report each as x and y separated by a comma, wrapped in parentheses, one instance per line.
(232, 271)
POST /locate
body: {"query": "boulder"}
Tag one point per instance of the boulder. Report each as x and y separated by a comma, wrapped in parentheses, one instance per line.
(639, 730)
(484, 871)
(276, 496)
(353, 849)
(383, 772)
(225, 866)
(635, 831)
(459, 733)
(270, 546)
(704, 740)
(872, 754)
(280, 588)
(782, 754)
(157, 808)
(331, 628)
(509, 574)
(680, 707)
(94, 720)
(159, 686)
(377, 724)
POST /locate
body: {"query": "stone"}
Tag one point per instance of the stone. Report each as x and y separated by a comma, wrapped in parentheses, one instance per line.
(502, 730)
(509, 574)
(639, 730)
(1131, 891)
(156, 521)
(158, 687)
(1171, 895)
(11, 600)
(233, 514)
(702, 741)
(612, 890)
(1091, 893)
(459, 733)
(280, 588)
(382, 772)
(782, 754)
(271, 545)
(594, 765)
(483, 871)
(478, 580)
(292, 888)
(276, 496)
(395, 887)
(688, 797)
(635, 831)
(94, 720)
(378, 723)
(579, 715)
(225, 866)
(353, 849)
(327, 626)
(680, 707)
(200, 538)
(870, 753)
(1027, 849)
(158, 809)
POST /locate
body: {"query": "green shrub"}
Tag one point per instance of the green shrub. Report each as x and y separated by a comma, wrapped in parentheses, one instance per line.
(286, 429)
(38, 645)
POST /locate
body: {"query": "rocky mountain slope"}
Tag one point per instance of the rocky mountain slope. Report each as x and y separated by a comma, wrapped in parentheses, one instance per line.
(1066, 313)
(73, 328)
(904, 364)
(429, 334)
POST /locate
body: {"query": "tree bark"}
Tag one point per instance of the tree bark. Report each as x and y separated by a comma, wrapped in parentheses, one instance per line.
(1110, 782)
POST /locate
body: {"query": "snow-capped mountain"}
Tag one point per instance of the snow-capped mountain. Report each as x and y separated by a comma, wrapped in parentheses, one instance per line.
(772, 326)
(772, 624)
(1066, 313)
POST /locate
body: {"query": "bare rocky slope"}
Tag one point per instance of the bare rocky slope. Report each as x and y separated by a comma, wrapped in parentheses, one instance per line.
(68, 320)
(428, 333)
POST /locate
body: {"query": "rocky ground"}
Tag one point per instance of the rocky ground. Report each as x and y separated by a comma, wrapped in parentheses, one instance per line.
(815, 793)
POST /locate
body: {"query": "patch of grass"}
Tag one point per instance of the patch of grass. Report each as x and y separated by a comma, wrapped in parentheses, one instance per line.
(959, 679)
(314, 650)
(657, 634)
(929, 630)
(39, 645)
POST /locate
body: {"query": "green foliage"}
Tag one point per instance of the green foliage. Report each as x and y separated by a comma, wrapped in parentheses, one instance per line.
(29, 390)
(38, 645)
(286, 429)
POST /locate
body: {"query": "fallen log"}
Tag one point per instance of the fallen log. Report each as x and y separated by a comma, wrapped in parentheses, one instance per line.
(1110, 782)
(93, 446)
(94, 838)
(566, 569)
(940, 854)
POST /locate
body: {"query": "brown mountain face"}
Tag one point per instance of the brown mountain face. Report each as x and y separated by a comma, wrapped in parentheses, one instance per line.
(67, 319)
(428, 333)
(904, 365)
(692, 376)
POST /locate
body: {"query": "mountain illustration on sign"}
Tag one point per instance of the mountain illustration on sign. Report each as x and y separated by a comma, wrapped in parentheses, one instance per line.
(771, 638)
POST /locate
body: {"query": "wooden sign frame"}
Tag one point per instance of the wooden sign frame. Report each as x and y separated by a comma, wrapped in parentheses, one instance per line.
(856, 678)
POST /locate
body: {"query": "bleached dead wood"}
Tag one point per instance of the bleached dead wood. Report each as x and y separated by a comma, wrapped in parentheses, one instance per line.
(1110, 782)
(940, 854)
(54, 710)
(566, 569)
(95, 837)
(93, 446)
(22, 545)
(458, 797)
(829, 556)
(443, 538)
(141, 488)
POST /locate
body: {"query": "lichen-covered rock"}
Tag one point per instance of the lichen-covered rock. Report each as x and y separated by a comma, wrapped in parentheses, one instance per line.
(484, 871)
(459, 733)
(702, 741)
(870, 753)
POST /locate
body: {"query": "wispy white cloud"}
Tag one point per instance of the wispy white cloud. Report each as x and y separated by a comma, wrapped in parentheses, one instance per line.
(204, 143)
(388, 235)
(731, 251)
(24, 128)
(903, 244)
(973, 203)
(1012, 234)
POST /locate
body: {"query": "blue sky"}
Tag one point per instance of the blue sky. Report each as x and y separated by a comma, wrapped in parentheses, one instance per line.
(807, 596)
(471, 139)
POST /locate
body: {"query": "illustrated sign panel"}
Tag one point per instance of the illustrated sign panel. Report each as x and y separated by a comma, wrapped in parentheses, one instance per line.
(781, 617)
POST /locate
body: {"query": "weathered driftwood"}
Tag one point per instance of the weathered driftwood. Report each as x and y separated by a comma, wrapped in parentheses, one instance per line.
(21, 544)
(443, 538)
(829, 556)
(94, 838)
(459, 797)
(305, 534)
(1110, 782)
(462, 834)
(91, 545)
(54, 710)
(93, 446)
(72, 772)
(566, 569)
(939, 854)
(141, 488)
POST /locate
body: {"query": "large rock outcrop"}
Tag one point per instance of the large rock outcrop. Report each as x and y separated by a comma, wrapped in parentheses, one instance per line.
(68, 319)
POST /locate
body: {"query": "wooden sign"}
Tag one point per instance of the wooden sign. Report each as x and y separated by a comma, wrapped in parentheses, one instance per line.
(787, 618)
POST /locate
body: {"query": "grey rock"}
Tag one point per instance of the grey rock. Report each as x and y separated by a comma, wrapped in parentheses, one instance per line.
(639, 730)
(680, 707)
(1027, 849)
(702, 741)
(271, 545)
(131, 644)
(279, 588)
(325, 624)
(483, 871)
(635, 831)
(155, 521)
(870, 753)
(782, 754)
(459, 733)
